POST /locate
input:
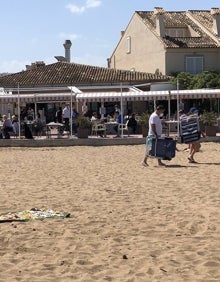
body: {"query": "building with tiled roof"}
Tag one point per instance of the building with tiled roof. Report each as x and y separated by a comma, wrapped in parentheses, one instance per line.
(49, 85)
(169, 42)
(63, 74)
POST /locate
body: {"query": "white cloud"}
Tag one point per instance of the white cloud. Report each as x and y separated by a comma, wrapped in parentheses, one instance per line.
(93, 3)
(70, 36)
(75, 9)
(80, 9)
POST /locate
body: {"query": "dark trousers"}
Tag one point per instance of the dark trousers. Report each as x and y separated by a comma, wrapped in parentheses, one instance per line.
(6, 131)
(66, 124)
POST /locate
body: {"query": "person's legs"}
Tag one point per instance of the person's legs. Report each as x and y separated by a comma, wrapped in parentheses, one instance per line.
(145, 161)
(66, 124)
(160, 163)
(147, 150)
(193, 149)
(149, 141)
(191, 152)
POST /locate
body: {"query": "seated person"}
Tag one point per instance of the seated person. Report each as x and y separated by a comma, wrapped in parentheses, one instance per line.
(132, 124)
(30, 114)
(96, 121)
(38, 125)
(15, 125)
(95, 117)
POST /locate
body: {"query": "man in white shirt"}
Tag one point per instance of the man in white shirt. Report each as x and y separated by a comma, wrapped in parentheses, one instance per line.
(155, 131)
(66, 117)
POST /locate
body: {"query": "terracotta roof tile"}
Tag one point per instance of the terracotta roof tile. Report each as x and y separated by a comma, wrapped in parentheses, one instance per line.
(180, 19)
(64, 74)
(205, 18)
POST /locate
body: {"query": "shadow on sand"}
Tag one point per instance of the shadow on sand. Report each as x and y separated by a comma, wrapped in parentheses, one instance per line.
(208, 163)
(178, 166)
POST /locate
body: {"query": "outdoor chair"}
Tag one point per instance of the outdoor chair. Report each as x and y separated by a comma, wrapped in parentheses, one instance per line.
(98, 129)
(124, 128)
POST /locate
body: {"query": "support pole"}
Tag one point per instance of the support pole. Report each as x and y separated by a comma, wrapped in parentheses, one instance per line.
(35, 106)
(19, 114)
(169, 114)
(121, 114)
(71, 114)
(177, 108)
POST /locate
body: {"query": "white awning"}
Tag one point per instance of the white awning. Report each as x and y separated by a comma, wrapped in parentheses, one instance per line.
(127, 96)
(37, 98)
(110, 96)
(195, 94)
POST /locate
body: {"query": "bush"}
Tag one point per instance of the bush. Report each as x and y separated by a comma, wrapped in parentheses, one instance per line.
(209, 118)
(83, 122)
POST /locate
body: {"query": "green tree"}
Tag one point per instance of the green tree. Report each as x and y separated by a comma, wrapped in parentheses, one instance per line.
(197, 81)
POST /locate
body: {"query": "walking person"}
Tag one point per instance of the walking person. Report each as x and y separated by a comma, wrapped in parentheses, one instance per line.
(195, 146)
(155, 131)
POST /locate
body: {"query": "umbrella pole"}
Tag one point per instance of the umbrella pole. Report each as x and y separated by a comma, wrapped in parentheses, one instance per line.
(19, 114)
(71, 114)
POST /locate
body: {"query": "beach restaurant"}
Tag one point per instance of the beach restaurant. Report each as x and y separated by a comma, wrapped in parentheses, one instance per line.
(44, 88)
(13, 99)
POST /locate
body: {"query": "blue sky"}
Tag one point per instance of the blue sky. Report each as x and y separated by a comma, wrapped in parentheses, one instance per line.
(35, 30)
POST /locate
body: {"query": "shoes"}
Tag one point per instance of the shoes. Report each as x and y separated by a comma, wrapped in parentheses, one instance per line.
(144, 164)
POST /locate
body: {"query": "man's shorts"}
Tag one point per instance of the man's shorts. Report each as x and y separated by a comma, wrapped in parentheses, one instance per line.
(149, 140)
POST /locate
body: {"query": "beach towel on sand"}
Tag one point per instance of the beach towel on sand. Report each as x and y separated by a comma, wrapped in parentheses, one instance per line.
(32, 214)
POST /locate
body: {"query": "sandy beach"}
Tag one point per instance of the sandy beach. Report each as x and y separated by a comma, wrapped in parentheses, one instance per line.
(128, 222)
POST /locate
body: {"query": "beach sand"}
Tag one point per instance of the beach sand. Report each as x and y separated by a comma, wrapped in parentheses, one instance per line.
(128, 222)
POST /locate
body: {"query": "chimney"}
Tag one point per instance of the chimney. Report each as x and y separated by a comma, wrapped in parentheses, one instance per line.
(122, 33)
(215, 12)
(160, 27)
(67, 45)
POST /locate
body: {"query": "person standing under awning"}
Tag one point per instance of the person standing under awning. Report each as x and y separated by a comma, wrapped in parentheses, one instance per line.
(66, 117)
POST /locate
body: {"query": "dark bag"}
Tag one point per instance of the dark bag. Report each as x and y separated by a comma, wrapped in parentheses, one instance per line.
(163, 148)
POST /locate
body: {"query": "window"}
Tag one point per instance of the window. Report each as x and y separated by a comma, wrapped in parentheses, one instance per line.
(128, 41)
(194, 64)
(176, 32)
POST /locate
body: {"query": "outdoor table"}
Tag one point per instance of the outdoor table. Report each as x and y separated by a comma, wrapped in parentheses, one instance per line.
(110, 127)
(53, 129)
(172, 126)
